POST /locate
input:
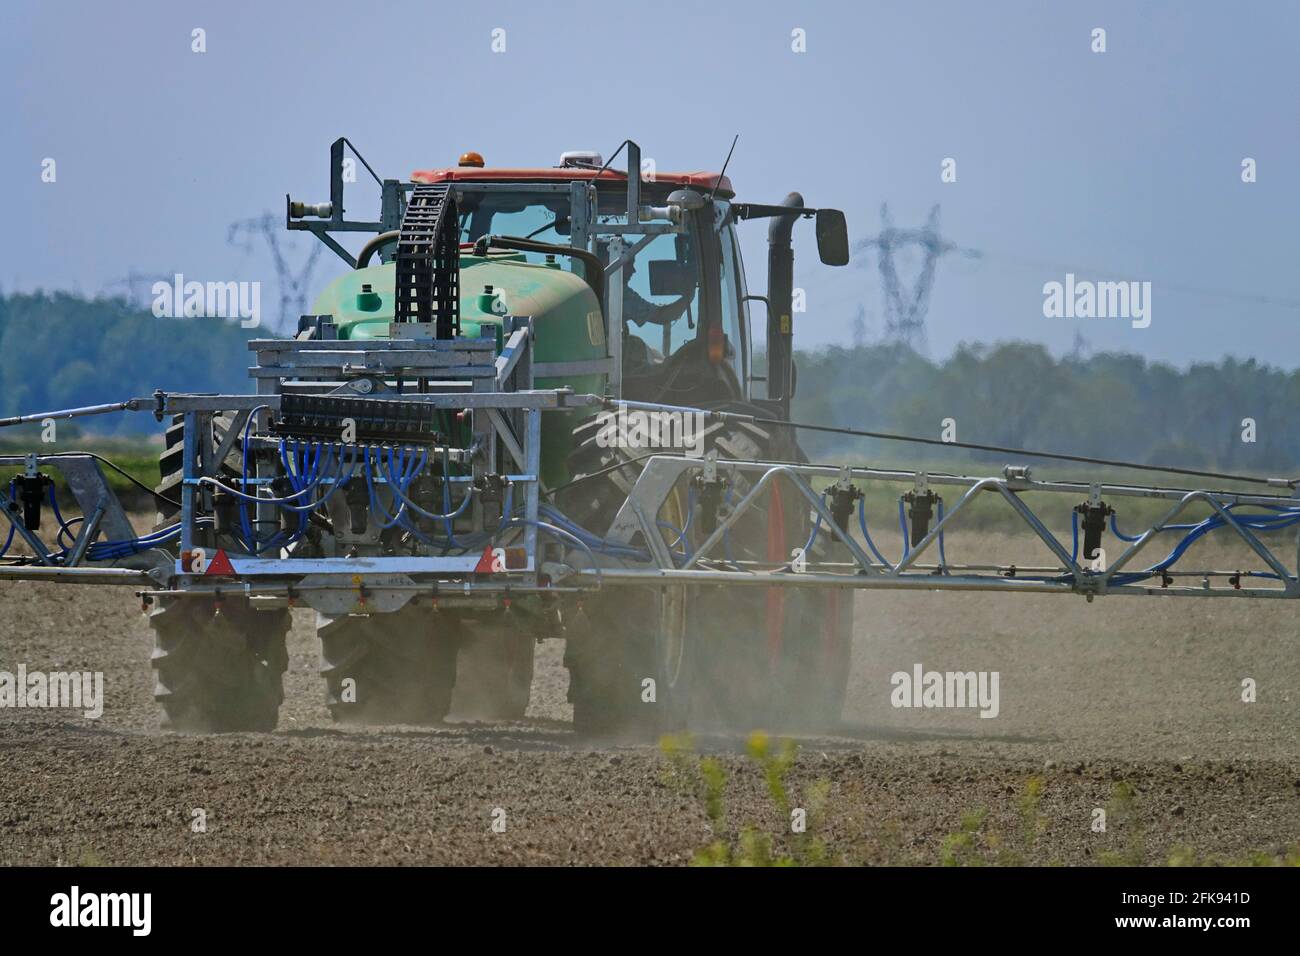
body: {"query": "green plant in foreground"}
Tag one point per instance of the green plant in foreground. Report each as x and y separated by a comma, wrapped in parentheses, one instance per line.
(972, 842)
(1187, 856)
(1122, 809)
(962, 847)
(90, 857)
(706, 779)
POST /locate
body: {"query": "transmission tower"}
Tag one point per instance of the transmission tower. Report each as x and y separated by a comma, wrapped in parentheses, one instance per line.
(905, 312)
(136, 287)
(293, 285)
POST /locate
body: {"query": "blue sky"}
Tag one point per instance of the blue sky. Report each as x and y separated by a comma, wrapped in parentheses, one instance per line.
(1117, 165)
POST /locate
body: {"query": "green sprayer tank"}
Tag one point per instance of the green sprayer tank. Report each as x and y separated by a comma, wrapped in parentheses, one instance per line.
(566, 316)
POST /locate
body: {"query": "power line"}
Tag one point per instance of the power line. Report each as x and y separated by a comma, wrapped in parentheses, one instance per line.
(1084, 270)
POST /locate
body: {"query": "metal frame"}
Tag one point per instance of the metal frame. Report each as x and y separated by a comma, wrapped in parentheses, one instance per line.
(584, 230)
(502, 404)
(102, 514)
(377, 584)
(662, 474)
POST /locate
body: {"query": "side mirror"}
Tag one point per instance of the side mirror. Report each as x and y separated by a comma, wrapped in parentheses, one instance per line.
(669, 277)
(832, 237)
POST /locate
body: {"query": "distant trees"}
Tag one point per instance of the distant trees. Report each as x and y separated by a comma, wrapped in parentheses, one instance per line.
(59, 350)
(1017, 394)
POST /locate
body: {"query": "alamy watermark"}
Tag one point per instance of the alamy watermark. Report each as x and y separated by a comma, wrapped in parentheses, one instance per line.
(1085, 299)
(639, 430)
(75, 908)
(78, 690)
(952, 689)
(208, 300)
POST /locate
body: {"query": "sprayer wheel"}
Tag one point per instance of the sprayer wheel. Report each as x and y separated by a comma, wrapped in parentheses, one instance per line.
(393, 668)
(218, 668)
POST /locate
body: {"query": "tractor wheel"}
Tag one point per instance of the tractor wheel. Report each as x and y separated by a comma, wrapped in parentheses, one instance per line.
(494, 670)
(834, 657)
(629, 663)
(591, 503)
(218, 668)
(393, 668)
(807, 633)
(775, 657)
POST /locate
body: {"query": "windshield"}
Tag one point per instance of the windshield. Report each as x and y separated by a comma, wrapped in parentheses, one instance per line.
(664, 319)
(661, 291)
(523, 215)
(662, 298)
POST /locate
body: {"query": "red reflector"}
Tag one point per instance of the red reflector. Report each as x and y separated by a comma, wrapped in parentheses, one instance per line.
(484, 565)
(220, 565)
(198, 562)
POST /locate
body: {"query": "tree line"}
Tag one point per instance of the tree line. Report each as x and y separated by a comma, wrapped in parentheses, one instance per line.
(1234, 413)
(59, 350)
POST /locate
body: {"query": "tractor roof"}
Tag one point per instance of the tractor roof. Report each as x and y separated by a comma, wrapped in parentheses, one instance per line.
(563, 174)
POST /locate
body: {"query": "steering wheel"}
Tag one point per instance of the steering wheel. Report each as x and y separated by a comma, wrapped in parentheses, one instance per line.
(665, 314)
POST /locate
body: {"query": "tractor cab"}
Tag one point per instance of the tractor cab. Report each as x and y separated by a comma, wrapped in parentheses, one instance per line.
(659, 252)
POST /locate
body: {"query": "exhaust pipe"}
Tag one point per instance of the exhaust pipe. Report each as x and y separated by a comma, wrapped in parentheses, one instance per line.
(780, 294)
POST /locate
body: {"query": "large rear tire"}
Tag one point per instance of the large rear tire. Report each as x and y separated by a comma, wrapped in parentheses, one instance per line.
(751, 657)
(218, 668)
(629, 664)
(395, 668)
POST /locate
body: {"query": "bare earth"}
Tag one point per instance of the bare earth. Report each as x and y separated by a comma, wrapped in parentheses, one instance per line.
(1141, 691)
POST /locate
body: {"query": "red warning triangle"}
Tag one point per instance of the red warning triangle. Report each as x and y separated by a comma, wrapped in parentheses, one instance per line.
(484, 565)
(220, 565)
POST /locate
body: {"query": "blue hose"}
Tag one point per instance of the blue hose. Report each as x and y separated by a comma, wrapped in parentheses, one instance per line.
(1277, 522)
(862, 524)
(10, 539)
(817, 526)
(902, 526)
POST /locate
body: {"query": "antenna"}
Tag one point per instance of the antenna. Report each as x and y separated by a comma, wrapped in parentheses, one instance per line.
(725, 163)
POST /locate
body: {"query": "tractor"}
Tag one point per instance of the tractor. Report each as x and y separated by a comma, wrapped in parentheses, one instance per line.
(634, 290)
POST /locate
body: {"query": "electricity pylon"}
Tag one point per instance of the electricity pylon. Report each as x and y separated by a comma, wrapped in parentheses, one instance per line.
(293, 285)
(905, 312)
